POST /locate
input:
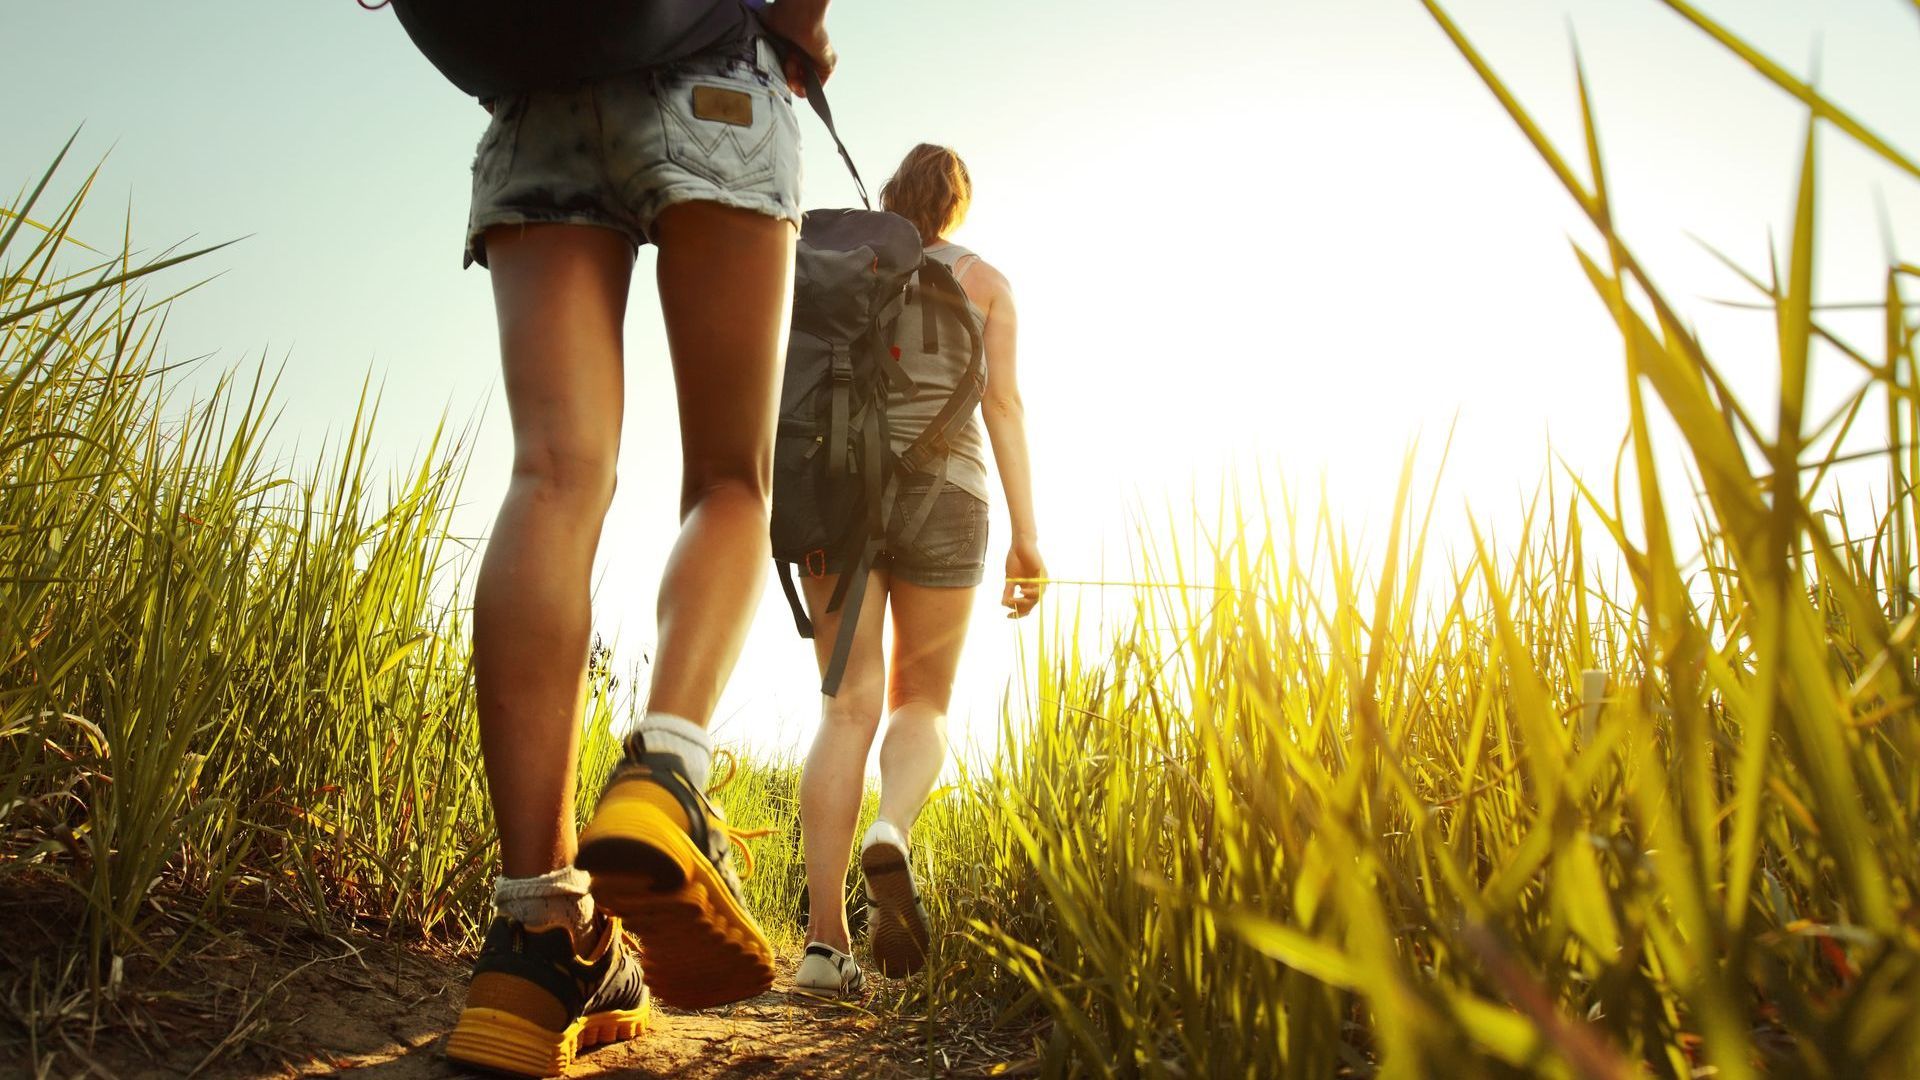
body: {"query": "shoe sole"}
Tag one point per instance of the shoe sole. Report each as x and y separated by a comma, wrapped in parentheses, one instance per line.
(700, 947)
(900, 937)
(500, 1041)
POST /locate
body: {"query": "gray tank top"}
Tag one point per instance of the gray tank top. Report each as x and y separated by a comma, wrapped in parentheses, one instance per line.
(935, 375)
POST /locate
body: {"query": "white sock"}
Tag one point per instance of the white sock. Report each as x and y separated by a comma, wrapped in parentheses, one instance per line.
(559, 898)
(665, 733)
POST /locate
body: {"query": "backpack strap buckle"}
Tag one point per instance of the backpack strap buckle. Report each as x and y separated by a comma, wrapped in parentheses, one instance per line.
(932, 445)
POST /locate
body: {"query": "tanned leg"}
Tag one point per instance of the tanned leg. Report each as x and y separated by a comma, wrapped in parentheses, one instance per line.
(834, 778)
(726, 281)
(561, 294)
(658, 852)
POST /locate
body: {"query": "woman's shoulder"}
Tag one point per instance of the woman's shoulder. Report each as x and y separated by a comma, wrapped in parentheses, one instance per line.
(981, 279)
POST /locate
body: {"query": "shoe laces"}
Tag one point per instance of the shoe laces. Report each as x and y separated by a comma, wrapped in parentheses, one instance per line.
(736, 836)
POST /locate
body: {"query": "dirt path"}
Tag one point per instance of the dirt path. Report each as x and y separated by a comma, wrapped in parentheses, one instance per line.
(773, 1035)
(276, 1000)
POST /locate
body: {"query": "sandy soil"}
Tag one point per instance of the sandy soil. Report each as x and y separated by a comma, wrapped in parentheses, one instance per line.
(774, 1035)
(277, 1000)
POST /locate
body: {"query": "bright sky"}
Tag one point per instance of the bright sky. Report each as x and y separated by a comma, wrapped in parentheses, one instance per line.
(1287, 236)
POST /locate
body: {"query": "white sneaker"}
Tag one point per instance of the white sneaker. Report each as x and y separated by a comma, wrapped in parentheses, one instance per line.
(896, 917)
(827, 972)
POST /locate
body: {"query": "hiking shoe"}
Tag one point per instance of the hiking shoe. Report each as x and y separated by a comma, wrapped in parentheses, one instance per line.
(660, 856)
(827, 972)
(534, 1003)
(897, 919)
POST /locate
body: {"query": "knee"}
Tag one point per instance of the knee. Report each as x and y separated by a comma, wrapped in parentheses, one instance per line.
(856, 708)
(921, 699)
(567, 476)
(747, 484)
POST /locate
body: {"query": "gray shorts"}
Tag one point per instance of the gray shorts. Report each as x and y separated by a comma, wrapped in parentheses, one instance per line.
(716, 127)
(950, 550)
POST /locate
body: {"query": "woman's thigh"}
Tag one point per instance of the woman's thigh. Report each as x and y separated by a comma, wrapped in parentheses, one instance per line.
(866, 663)
(560, 293)
(726, 281)
(929, 630)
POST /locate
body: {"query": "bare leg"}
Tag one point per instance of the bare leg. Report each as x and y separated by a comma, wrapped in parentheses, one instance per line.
(726, 280)
(561, 293)
(929, 628)
(835, 774)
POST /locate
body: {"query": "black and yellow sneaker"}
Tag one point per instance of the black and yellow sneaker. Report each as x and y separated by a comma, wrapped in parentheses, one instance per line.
(535, 1003)
(660, 856)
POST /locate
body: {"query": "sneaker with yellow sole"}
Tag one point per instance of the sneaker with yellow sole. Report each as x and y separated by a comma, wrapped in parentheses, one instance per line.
(661, 858)
(535, 1003)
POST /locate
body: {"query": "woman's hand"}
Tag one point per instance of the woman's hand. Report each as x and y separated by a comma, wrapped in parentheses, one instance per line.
(803, 24)
(1026, 572)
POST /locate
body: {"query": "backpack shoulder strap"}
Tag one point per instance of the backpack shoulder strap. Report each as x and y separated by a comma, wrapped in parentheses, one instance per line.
(932, 443)
(817, 98)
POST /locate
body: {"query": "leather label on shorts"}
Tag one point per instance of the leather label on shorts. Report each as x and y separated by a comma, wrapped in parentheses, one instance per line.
(727, 106)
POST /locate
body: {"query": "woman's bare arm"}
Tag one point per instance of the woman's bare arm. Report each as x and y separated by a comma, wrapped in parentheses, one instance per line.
(1006, 418)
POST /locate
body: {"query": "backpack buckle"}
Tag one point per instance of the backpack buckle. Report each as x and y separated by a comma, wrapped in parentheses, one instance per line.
(816, 563)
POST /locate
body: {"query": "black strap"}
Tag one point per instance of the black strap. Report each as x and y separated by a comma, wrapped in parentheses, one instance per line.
(878, 489)
(817, 98)
(890, 311)
(966, 395)
(929, 326)
(867, 527)
(784, 571)
(891, 373)
(839, 596)
(873, 459)
(854, 581)
(839, 404)
(917, 519)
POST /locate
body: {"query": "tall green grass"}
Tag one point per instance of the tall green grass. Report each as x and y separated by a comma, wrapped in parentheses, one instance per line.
(1308, 815)
(1312, 817)
(218, 680)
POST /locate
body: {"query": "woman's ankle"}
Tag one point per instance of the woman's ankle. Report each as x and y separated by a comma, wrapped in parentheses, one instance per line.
(841, 942)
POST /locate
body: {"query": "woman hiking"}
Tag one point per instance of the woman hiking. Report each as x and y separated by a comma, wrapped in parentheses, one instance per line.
(928, 584)
(699, 156)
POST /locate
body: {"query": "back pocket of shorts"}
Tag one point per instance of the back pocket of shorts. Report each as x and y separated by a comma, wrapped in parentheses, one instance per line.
(952, 530)
(727, 133)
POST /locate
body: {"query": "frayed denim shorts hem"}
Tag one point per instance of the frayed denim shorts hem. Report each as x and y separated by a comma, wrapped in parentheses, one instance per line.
(615, 153)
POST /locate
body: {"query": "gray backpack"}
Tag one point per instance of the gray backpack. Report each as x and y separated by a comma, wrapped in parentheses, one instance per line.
(862, 286)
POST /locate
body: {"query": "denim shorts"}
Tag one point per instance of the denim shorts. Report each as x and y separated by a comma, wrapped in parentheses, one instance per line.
(949, 551)
(716, 127)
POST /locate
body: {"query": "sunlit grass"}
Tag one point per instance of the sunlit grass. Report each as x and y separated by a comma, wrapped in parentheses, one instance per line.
(215, 677)
(1313, 816)
(1319, 808)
